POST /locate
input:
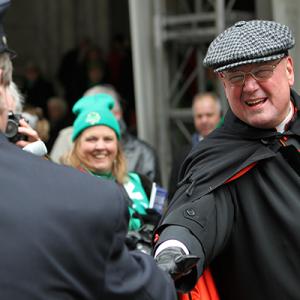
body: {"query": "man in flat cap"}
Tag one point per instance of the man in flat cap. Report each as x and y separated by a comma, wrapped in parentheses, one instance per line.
(237, 207)
(62, 233)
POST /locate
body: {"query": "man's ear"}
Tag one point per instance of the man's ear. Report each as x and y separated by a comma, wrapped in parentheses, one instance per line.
(290, 71)
(221, 77)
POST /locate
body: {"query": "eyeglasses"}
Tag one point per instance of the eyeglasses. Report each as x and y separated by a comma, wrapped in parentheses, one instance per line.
(260, 73)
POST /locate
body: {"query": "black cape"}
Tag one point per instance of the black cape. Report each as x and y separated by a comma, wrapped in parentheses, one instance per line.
(227, 151)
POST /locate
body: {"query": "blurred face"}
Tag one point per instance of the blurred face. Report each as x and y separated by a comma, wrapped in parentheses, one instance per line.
(206, 115)
(95, 74)
(55, 111)
(32, 73)
(97, 148)
(261, 103)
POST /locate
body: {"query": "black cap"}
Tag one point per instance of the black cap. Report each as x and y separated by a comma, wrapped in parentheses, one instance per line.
(4, 4)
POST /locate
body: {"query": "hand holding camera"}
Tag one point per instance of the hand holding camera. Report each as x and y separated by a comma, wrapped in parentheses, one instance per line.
(30, 134)
(19, 132)
(12, 128)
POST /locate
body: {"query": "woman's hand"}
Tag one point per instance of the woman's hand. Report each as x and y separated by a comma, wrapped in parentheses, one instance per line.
(30, 133)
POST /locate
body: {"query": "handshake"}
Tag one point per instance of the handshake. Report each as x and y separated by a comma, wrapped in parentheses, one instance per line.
(174, 261)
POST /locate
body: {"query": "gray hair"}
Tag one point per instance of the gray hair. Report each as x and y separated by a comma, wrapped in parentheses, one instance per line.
(7, 69)
(6, 77)
(17, 97)
(106, 89)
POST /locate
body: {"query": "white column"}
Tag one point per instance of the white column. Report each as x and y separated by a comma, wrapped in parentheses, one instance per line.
(287, 12)
(141, 24)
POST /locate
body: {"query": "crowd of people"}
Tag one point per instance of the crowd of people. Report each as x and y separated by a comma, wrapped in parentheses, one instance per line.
(80, 69)
(230, 226)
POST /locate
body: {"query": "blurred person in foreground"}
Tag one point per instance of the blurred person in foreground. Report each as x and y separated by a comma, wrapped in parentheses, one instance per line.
(237, 207)
(141, 157)
(206, 109)
(58, 240)
(97, 151)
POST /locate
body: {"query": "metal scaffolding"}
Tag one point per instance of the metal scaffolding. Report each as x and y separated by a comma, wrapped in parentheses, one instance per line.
(183, 30)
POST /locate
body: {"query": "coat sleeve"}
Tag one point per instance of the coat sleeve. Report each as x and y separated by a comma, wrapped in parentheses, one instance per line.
(133, 275)
(203, 225)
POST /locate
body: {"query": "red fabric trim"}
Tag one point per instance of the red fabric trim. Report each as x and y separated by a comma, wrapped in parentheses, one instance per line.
(241, 173)
(204, 289)
(156, 238)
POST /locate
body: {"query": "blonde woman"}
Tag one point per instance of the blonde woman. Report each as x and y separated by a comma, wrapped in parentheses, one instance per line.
(97, 151)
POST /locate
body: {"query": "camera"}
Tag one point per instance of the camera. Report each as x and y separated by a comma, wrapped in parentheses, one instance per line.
(11, 131)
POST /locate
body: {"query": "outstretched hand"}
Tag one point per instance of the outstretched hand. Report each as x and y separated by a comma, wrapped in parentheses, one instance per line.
(174, 261)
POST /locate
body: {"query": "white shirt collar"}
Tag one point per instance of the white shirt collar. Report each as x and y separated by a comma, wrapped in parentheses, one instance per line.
(281, 127)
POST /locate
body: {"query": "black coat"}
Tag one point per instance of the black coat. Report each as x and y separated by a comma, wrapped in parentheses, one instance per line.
(246, 230)
(62, 236)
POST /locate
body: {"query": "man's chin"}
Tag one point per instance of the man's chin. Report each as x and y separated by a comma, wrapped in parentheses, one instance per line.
(262, 124)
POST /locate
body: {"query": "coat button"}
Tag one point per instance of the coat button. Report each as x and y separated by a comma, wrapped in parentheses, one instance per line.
(190, 212)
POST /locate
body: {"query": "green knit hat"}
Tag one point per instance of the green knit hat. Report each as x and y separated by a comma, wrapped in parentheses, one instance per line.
(92, 111)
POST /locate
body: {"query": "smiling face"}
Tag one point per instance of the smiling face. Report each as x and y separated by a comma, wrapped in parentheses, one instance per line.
(97, 148)
(262, 104)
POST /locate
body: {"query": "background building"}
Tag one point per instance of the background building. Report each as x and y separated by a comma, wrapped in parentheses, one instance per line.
(168, 41)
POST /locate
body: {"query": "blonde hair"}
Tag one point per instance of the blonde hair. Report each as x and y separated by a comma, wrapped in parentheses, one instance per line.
(119, 170)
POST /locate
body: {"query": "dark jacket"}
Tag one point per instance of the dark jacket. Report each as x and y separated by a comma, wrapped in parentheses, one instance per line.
(177, 161)
(141, 157)
(62, 236)
(248, 229)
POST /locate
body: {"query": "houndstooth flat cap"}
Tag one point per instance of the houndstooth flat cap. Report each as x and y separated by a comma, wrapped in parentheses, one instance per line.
(248, 42)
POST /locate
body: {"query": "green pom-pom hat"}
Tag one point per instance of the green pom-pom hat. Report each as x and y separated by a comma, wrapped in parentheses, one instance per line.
(92, 111)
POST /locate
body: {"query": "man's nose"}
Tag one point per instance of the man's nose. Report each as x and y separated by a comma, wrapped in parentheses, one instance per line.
(204, 119)
(250, 83)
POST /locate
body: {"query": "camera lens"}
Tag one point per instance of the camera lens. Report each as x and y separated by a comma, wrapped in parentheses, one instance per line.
(11, 128)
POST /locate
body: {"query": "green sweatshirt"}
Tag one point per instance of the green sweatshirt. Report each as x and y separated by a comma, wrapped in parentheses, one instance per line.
(136, 193)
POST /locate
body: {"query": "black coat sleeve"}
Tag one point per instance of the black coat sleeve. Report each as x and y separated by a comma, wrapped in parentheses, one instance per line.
(203, 225)
(132, 274)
